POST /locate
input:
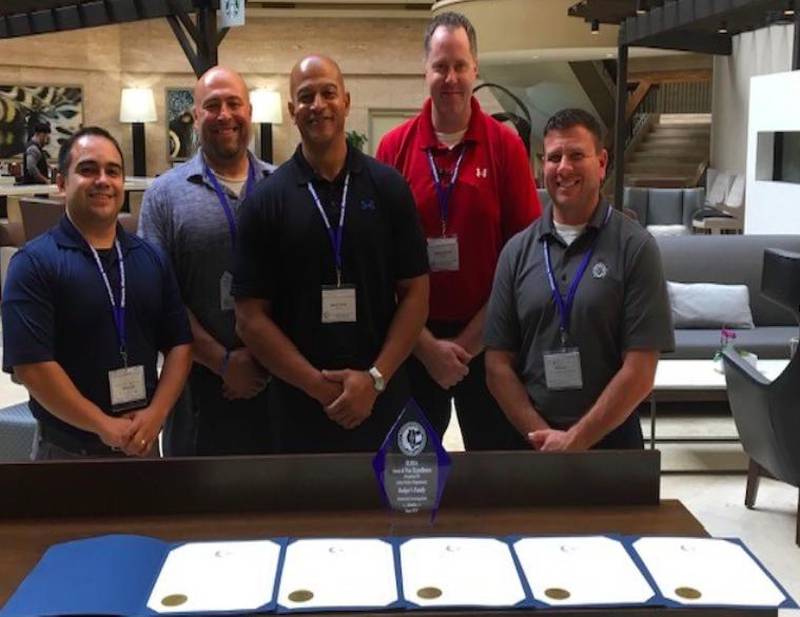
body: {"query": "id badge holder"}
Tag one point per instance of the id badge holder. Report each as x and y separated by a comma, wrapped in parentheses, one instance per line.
(127, 388)
(562, 369)
(338, 304)
(225, 298)
(443, 254)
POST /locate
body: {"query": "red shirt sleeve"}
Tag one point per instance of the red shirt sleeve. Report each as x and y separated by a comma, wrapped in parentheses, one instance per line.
(519, 200)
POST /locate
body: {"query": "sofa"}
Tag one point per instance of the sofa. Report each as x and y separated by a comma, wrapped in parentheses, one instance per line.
(729, 259)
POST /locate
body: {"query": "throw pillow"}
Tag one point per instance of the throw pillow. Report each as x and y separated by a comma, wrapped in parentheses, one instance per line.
(709, 305)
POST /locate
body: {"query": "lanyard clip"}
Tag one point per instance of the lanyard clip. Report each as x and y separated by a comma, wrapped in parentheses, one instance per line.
(563, 339)
(124, 354)
(338, 277)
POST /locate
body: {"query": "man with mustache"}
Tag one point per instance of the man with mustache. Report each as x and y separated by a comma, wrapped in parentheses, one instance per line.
(579, 308)
(331, 280)
(192, 212)
(472, 183)
(86, 310)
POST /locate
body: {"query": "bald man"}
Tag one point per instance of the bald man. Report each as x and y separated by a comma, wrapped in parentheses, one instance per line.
(331, 281)
(192, 212)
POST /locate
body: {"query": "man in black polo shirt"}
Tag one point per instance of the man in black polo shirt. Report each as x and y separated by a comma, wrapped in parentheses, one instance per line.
(86, 309)
(579, 308)
(331, 280)
(35, 169)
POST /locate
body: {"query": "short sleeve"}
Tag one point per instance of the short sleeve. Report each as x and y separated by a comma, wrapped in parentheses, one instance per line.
(252, 276)
(28, 313)
(647, 320)
(502, 328)
(174, 328)
(410, 255)
(519, 199)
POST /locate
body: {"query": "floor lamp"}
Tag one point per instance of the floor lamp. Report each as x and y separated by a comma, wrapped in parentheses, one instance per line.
(138, 106)
(267, 111)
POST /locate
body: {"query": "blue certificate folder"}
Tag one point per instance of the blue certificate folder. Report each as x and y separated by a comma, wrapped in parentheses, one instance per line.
(106, 575)
(138, 576)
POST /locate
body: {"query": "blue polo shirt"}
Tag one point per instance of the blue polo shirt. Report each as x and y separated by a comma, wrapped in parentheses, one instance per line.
(55, 307)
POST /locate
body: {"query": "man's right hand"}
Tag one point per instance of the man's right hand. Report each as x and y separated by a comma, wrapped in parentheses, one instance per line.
(244, 377)
(446, 362)
(116, 432)
(325, 391)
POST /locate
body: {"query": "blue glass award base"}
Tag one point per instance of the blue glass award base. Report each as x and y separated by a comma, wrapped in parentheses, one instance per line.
(412, 465)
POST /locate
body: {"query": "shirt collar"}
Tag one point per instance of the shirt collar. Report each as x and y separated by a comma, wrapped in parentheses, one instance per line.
(354, 163)
(476, 132)
(67, 235)
(595, 222)
(195, 168)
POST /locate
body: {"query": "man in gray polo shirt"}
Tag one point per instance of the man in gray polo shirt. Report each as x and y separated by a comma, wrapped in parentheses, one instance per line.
(579, 309)
(192, 212)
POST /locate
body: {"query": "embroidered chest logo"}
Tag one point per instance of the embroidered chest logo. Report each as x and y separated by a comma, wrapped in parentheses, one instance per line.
(481, 172)
(599, 270)
(367, 204)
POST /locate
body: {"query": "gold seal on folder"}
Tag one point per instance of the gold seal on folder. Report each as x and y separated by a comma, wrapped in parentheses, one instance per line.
(688, 593)
(429, 593)
(301, 595)
(174, 599)
(556, 593)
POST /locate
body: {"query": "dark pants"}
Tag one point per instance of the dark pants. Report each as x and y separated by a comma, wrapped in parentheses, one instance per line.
(484, 426)
(204, 423)
(301, 425)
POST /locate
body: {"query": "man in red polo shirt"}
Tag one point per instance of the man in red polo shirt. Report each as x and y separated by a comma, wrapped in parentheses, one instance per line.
(472, 182)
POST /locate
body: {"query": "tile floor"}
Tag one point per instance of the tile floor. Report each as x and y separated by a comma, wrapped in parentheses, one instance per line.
(707, 478)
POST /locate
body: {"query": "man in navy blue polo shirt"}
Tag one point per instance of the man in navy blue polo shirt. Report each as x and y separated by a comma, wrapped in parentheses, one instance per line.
(86, 309)
(330, 282)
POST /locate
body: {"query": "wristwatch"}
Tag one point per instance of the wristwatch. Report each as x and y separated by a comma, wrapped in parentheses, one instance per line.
(378, 381)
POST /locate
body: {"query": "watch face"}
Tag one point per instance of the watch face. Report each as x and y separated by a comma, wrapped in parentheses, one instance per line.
(377, 379)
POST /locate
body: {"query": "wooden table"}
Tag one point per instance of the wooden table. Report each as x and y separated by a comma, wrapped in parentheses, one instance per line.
(681, 380)
(334, 495)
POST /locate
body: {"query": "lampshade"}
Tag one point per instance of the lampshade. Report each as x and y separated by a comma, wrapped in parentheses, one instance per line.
(266, 106)
(137, 105)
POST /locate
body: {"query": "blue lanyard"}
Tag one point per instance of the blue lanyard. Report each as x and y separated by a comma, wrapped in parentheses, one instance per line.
(564, 305)
(443, 194)
(223, 198)
(118, 311)
(334, 236)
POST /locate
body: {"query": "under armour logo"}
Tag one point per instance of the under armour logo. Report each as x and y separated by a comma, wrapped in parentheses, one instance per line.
(481, 172)
(367, 204)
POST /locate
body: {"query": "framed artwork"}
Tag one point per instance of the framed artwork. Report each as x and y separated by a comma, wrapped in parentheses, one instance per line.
(180, 133)
(21, 107)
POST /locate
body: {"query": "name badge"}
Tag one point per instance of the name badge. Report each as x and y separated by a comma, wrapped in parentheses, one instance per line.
(443, 254)
(127, 388)
(339, 304)
(225, 298)
(562, 370)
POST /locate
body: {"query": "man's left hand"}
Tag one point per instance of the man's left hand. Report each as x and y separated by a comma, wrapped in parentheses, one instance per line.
(354, 404)
(146, 425)
(552, 440)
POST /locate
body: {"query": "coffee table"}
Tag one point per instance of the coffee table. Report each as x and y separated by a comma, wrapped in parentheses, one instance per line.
(683, 380)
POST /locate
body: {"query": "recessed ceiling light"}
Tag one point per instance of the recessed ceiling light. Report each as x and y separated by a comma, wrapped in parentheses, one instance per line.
(595, 26)
(723, 28)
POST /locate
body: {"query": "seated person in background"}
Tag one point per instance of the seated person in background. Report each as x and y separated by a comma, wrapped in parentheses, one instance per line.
(331, 281)
(86, 309)
(579, 309)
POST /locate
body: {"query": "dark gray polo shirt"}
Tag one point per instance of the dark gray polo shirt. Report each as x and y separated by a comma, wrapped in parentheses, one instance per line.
(621, 304)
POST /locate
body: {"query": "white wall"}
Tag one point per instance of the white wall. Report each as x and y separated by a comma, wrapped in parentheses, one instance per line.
(772, 207)
(761, 52)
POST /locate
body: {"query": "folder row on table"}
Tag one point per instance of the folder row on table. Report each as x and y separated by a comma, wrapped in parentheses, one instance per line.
(135, 575)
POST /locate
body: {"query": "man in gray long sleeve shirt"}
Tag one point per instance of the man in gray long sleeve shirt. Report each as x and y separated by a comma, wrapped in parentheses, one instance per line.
(35, 167)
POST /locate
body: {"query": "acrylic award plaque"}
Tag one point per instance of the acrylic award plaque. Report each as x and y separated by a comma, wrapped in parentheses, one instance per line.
(412, 465)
